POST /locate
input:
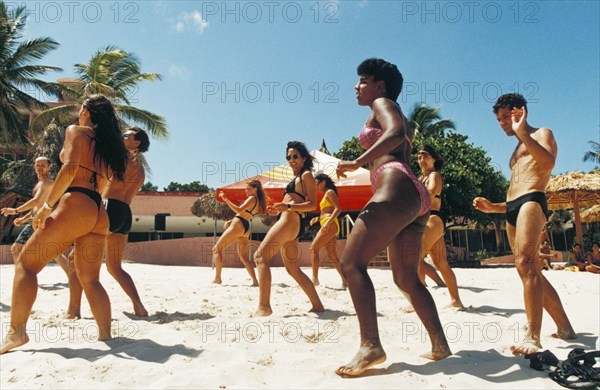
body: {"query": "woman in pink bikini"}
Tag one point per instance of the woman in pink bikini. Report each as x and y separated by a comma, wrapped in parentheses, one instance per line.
(395, 216)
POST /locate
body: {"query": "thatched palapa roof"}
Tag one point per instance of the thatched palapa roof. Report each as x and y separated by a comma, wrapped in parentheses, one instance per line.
(591, 215)
(575, 189)
(208, 206)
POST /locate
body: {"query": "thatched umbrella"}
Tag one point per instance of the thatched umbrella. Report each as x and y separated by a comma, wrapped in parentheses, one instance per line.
(573, 191)
(591, 214)
(208, 206)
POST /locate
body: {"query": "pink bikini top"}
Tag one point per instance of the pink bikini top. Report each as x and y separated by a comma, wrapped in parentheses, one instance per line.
(369, 135)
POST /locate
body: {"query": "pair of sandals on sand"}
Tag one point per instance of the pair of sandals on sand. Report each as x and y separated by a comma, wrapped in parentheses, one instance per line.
(576, 372)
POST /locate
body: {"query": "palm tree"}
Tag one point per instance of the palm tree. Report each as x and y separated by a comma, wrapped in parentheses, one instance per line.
(594, 154)
(115, 74)
(18, 72)
(428, 121)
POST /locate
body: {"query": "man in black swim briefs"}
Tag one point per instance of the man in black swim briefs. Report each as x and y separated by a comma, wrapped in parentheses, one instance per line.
(526, 212)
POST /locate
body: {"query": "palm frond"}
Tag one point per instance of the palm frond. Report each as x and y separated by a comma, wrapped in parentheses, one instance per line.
(154, 124)
(61, 115)
(428, 121)
(34, 49)
(594, 154)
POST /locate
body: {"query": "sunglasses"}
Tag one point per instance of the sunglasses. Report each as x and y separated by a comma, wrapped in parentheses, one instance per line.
(292, 156)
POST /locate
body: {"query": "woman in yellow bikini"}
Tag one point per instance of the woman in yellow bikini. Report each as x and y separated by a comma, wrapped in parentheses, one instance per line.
(330, 227)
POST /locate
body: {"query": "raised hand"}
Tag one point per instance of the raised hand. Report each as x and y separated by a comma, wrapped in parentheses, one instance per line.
(519, 120)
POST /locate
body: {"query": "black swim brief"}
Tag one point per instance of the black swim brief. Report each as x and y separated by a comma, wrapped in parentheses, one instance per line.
(513, 206)
(119, 216)
(245, 223)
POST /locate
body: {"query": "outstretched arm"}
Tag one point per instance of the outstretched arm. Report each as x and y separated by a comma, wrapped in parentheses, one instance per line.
(40, 190)
(485, 206)
(236, 209)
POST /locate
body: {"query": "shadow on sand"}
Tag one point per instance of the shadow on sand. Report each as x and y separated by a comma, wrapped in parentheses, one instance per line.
(165, 318)
(126, 348)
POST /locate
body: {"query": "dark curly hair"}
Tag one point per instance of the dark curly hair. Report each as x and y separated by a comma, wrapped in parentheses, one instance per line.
(110, 151)
(328, 182)
(510, 101)
(439, 161)
(299, 146)
(387, 72)
(142, 136)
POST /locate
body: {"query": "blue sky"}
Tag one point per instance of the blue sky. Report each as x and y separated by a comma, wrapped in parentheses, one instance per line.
(241, 78)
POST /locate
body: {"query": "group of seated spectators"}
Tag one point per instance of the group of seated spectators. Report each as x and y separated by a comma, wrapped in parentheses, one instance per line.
(577, 261)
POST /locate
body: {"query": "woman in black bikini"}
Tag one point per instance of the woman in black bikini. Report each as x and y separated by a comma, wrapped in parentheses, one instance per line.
(300, 196)
(238, 229)
(433, 238)
(72, 214)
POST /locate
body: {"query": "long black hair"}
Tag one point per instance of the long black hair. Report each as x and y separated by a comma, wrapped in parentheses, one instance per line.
(304, 153)
(328, 182)
(110, 151)
(439, 160)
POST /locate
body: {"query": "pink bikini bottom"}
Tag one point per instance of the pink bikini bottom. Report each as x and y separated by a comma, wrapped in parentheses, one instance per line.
(423, 193)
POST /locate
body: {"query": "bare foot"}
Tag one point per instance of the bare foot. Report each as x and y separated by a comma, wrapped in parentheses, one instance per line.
(140, 311)
(317, 309)
(315, 282)
(263, 311)
(437, 355)
(457, 305)
(367, 357)
(13, 341)
(526, 347)
(106, 337)
(408, 309)
(564, 334)
(217, 281)
(70, 315)
(255, 283)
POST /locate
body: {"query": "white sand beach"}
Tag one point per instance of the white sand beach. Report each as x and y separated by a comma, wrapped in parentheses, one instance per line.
(201, 335)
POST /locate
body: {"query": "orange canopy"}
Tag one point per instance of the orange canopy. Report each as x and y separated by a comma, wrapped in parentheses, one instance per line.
(353, 191)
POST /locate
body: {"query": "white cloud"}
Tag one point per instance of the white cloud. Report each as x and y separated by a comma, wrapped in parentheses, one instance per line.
(191, 20)
(179, 72)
